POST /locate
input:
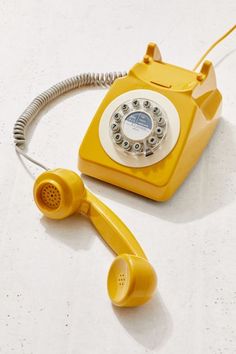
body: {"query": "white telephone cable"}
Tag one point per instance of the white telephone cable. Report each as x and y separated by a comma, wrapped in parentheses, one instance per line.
(81, 80)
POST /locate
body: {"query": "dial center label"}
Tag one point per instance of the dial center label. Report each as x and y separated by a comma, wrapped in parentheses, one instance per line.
(137, 125)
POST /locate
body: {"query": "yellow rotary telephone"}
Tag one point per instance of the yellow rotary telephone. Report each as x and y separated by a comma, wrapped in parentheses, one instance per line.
(146, 136)
(152, 126)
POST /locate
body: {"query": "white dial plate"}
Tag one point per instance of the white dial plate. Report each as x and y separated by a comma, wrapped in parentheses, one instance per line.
(135, 132)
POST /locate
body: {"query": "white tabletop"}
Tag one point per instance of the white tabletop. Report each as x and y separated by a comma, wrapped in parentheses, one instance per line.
(53, 296)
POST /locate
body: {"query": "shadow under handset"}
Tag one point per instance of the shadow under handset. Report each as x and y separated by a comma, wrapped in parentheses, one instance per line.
(150, 325)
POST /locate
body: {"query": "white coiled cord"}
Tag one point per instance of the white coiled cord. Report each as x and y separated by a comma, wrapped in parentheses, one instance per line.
(81, 80)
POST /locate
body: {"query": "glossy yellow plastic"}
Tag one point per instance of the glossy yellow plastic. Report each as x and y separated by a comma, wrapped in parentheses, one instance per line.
(68, 193)
(198, 103)
(132, 280)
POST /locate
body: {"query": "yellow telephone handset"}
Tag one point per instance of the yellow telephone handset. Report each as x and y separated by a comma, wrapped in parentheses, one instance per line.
(112, 229)
(131, 279)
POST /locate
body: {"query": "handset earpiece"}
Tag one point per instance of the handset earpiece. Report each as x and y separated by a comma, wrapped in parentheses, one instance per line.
(131, 280)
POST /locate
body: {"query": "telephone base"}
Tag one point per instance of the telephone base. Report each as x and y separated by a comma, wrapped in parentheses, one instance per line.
(140, 186)
(194, 103)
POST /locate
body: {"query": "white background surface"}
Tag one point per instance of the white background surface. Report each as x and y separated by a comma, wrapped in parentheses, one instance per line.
(53, 274)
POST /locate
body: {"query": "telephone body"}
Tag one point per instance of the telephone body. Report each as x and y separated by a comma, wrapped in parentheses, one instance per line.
(152, 127)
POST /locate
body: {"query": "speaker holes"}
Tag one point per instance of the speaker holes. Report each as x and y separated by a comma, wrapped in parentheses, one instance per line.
(50, 196)
(121, 279)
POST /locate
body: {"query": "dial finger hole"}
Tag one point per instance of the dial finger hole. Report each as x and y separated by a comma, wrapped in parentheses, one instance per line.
(115, 127)
(126, 145)
(137, 147)
(118, 138)
(152, 140)
(159, 132)
(161, 121)
(135, 103)
(146, 104)
(117, 117)
(156, 110)
(125, 108)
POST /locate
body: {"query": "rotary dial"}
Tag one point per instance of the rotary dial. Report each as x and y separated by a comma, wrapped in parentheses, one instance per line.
(138, 126)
